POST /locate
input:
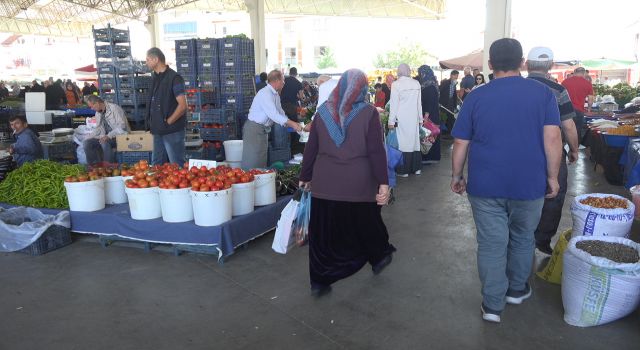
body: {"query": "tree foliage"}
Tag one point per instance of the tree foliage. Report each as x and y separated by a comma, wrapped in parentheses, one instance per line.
(412, 54)
(327, 60)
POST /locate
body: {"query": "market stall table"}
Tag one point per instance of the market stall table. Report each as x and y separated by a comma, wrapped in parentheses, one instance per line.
(115, 223)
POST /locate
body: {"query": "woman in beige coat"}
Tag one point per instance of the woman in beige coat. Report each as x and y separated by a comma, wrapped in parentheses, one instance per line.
(406, 111)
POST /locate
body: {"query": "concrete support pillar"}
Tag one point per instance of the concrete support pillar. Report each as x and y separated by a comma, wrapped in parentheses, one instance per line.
(498, 26)
(153, 27)
(256, 12)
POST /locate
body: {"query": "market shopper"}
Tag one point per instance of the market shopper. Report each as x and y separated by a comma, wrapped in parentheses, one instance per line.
(111, 121)
(263, 81)
(406, 111)
(449, 99)
(290, 97)
(73, 99)
(386, 87)
(264, 112)
(166, 110)
(510, 131)
(346, 229)
(55, 96)
(467, 83)
(539, 62)
(429, 100)
(380, 96)
(27, 147)
(580, 90)
(479, 81)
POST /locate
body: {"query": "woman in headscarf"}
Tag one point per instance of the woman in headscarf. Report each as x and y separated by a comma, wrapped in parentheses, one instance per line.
(345, 160)
(406, 111)
(429, 93)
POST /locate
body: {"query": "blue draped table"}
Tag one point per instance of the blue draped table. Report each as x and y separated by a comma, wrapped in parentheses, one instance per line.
(115, 221)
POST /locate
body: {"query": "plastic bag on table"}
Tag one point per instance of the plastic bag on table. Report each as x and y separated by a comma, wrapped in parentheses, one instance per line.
(301, 224)
(21, 226)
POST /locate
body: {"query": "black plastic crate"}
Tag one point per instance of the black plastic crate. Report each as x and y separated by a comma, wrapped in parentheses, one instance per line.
(54, 237)
(207, 47)
(143, 82)
(237, 65)
(193, 153)
(110, 51)
(186, 48)
(227, 132)
(211, 152)
(106, 68)
(126, 81)
(111, 35)
(190, 81)
(278, 155)
(199, 97)
(109, 97)
(228, 46)
(62, 121)
(279, 137)
(240, 102)
(237, 84)
(217, 116)
(59, 150)
(132, 157)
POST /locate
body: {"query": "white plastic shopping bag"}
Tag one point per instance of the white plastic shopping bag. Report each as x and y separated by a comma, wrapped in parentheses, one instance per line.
(284, 239)
(21, 226)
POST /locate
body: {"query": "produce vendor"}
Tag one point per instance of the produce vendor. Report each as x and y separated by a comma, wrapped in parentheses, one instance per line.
(27, 147)
(167, 110)
(265, 110)
(110, 122)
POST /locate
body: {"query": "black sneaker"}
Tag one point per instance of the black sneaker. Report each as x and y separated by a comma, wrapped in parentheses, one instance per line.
(377, 268)
(318, 290)
(517, 297)
(544, 248)
(490, 315)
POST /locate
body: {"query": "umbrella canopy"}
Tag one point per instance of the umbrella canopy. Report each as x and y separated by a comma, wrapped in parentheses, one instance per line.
(473, 60)
(607, 64)
(86, 69)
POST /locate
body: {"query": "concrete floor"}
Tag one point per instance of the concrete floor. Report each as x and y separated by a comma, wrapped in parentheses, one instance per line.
(87, 297)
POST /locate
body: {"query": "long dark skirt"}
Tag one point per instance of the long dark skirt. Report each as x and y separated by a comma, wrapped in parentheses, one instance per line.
(343, 237)
(434, 152)
(412, 162)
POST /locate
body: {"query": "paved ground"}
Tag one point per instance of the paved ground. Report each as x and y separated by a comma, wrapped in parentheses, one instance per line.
(87, 297)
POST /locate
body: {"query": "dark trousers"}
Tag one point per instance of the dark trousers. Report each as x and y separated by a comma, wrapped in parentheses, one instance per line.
(291, 110)
(552, 209)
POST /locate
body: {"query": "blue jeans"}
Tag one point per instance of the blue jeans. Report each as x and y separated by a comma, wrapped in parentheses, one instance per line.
(506, 244)
(168, 148)
(97, 152)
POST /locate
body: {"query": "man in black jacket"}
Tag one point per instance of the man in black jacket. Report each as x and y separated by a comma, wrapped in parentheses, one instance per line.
(166, 111)
(449, 98)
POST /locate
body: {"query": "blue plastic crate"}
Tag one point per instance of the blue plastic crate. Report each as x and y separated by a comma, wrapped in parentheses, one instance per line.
(278, 155)
(143, 82)
(193, 153)
(109, 97)
(237, 65)
(111, 35)
(199, 97)
(207, 47)
(54, 237)
(190, 81)
(59, 151)
(111, 51)
(186, 48)
(221, 134)
(126, 81)
(235, 84)
(186, 65)
(240, 102)
(228, 46)
(208, 82)
(107, 83)
(132, 157)
(106, 68)
(208, 65)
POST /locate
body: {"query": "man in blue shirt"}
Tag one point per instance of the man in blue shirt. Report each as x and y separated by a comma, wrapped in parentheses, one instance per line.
(510, 130)
(27, 147)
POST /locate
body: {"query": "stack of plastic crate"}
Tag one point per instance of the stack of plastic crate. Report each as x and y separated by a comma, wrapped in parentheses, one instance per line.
(122, 80)
(216, 126)
(186, 54)
(235, 78)
(111, 46)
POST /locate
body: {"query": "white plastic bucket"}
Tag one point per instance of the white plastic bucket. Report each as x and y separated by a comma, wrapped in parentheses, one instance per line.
(85, 196)
(176, 205)
(265, 189)
(243, 198)
(212, 208)
(144, 203)
(114, 190)
(234, 165)
(233, 150)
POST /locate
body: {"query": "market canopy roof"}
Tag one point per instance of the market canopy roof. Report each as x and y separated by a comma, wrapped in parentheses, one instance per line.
(607, 64)
(473, 60)
(75, 17)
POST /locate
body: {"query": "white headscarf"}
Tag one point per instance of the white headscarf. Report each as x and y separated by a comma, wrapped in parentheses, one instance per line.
(404, 70)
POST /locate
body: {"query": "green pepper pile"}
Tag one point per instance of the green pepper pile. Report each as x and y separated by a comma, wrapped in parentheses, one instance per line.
(38, 184)
(287, 180)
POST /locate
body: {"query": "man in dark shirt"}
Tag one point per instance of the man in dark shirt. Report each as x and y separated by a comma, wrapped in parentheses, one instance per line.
(467, 83)
(27, 147)
(449, 99)
(166, 110)
(35, 87)
(55, 96)
(539, 62)
(263, 81)
(291, 94)
(86, 89)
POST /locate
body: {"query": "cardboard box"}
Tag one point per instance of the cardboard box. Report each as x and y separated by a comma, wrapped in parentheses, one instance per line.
(138, 141)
